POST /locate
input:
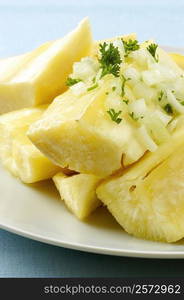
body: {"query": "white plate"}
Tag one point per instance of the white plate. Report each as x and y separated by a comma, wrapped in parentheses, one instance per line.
(35, 211)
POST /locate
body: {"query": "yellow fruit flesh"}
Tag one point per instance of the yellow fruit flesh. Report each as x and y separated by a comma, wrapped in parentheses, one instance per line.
(78, 193)
(147, 199)
(178, 58)
(13, 124)
(39, 76)
(76, 132)
(17, 153)
(30, 164)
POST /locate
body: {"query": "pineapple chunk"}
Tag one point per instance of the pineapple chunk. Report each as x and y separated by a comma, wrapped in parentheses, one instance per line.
(76, 132)
(80, 129)
(78, 192)
(13, 124)
(178, 58)
(148, 199)
(17, 153)
(39, 76)
(30, 164)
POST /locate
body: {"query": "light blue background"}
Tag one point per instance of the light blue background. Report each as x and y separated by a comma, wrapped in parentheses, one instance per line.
(23, 26)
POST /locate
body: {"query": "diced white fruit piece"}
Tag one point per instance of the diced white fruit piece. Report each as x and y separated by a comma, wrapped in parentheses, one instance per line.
(39, 76)
(78, 192)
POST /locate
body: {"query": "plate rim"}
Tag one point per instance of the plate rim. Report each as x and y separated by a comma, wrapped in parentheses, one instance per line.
(99, 250)
(93, 249)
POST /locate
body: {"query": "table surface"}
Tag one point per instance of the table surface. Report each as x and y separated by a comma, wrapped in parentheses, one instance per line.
(26, 24)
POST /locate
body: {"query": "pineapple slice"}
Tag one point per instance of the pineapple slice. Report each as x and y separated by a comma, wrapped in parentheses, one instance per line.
(80, 129)
(30, 164)
(13, 124)
(148, 199)
(17, 153)
(39, 76)
(76, 132)
(78, 193)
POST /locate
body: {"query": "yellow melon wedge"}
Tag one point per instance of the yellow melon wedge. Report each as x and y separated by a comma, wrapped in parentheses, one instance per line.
(39, 76)
(78, 193)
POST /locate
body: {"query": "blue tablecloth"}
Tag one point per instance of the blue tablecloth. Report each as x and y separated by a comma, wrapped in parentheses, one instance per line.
(26, 24)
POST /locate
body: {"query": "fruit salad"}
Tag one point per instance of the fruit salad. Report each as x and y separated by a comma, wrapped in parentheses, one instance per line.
(104, 120)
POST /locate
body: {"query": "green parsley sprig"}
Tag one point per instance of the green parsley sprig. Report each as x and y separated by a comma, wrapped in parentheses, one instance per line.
(152, 48)
(132, 115)
(71, 81)
(114, 115)
(130, 45)
(110, 59)
(124, 80)
(160, 96)
(126, 101)
(92, 87)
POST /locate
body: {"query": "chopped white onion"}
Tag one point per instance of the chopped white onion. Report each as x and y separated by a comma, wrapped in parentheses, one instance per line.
(156, 128)
(119, 44)
(163, 117)
(78, 88)
(141, 90)
(172, 126)
(146, 139)
(152, 77)
(86, 68)
(174, 103)
(132, 73)
(141, 57)
(138, 107)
